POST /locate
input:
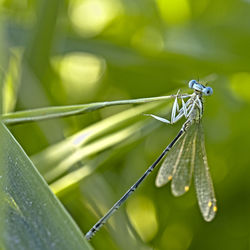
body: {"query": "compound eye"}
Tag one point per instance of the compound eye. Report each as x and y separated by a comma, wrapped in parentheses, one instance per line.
(208, 91)
(191, 83)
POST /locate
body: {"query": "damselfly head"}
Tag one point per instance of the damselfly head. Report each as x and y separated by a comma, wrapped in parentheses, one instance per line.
(207, 91)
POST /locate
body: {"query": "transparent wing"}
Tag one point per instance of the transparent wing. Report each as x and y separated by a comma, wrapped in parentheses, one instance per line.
(203, 182)
(165, 173)
(182, 175)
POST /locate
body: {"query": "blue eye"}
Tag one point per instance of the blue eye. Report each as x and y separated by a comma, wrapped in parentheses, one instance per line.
(207, 91)
(191, 83)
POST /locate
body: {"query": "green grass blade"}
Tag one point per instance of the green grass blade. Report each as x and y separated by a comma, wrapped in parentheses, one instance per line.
(92, 148)
(64, 111)
(59, 156)
(89, 167)
(31, 217)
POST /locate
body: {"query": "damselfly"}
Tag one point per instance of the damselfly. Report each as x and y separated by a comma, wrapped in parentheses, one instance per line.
(188, 156)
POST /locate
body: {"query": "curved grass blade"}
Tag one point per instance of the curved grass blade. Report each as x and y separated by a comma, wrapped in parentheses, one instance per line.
(203, 182)
(90, 166)
(58, 154)
(92, 148)
(31, 217)
(64, 111)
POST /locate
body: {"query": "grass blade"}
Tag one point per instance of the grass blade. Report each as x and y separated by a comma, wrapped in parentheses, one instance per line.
(64, 111)
(31, 217)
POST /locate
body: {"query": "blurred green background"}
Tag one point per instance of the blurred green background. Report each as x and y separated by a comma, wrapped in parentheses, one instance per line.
(82, 51)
